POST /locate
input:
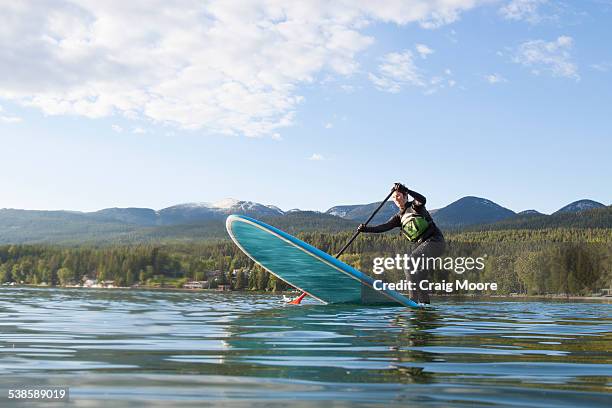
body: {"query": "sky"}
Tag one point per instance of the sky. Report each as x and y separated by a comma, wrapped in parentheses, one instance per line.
(304, 104)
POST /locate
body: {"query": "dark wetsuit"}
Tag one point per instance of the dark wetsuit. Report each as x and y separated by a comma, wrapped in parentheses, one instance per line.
(431, 244)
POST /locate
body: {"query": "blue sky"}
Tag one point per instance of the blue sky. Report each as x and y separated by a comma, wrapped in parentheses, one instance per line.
(307, 105)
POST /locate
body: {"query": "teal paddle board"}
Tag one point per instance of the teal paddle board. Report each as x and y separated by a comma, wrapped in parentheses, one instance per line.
(305, 267)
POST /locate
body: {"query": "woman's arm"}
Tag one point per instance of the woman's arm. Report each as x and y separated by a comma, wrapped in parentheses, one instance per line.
(393, 222)
(418, 198)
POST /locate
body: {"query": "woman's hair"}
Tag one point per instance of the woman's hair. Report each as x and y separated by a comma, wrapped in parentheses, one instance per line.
(403, 189)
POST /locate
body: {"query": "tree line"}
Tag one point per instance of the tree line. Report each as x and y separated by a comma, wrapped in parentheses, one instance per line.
(544, 261)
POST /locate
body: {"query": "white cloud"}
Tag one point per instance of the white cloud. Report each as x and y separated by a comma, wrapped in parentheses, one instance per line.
(397, 70)
(138, 131)
(9, 118)
(329, 125)
(316, 157)
(277, 137)
(117, 128)
(523, 10)
(223, 66)
(452, 37)
(602, 66)
(495, 78)
(449, 81)
(553, 57)
(423, 50)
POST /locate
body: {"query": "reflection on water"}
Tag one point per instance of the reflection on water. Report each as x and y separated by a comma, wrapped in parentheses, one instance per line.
(149, 348)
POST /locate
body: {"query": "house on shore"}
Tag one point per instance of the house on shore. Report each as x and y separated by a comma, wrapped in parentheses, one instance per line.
(196, 285)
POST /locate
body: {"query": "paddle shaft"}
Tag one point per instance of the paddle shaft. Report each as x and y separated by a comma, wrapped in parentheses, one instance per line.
(365, 223)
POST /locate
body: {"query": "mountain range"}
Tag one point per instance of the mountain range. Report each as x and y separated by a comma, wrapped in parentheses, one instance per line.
(205, 220)
(464, 212)
(185, 213)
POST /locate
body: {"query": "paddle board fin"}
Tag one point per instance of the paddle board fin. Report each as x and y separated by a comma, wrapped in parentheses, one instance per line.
(298, 299)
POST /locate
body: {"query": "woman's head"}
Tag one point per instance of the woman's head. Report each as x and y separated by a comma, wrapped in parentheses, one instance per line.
(400, 198)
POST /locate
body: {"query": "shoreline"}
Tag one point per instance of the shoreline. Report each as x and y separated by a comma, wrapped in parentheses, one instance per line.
(606, 299)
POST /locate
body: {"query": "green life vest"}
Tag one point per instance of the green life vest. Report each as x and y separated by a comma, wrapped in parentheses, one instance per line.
(413, 226)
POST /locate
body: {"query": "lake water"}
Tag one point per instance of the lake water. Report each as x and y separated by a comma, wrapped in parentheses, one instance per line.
(168, 348)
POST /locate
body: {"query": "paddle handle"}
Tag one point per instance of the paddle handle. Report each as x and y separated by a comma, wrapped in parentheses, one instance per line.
(367, 221)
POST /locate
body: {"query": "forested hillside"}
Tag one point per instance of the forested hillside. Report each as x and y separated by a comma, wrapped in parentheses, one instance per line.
(594, 218)
(544, 261)
(62, 228)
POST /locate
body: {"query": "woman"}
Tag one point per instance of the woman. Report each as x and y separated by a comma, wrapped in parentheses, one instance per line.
(417, 226)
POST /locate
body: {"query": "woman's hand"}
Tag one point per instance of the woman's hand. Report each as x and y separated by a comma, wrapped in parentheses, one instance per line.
(400, 187)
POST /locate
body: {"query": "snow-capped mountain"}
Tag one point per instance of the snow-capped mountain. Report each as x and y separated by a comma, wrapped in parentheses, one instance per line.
(342, 211)
(185, 213)
(529, 212)
(361, 212)
(233, 205)
(580, 205)
(192, 212)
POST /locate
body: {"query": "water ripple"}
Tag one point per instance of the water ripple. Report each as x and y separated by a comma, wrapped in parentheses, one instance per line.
(150, 348)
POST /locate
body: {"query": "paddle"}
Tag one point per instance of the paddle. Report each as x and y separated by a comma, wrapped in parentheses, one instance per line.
(350, 241)
(298, 299)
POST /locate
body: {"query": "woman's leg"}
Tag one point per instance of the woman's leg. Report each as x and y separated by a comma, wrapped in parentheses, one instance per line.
(427, 249)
